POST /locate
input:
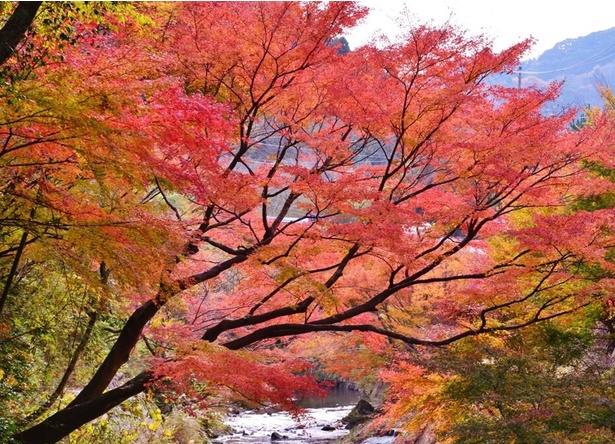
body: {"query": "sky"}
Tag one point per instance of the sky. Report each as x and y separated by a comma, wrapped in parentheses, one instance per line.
(506, 22)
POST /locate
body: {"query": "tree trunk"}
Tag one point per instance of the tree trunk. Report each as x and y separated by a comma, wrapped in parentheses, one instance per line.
(119, 354)
(15, 28)
(13, 272)
(93, 401)
(71, 418)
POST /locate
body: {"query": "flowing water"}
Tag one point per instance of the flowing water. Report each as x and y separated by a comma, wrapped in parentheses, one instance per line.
(257, 427)
(254, 427)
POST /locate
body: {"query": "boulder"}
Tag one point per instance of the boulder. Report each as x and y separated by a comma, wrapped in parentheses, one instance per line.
(275, 436)
(361, 413)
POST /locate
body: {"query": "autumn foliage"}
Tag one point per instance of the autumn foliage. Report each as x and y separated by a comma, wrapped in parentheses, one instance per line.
(245, 202)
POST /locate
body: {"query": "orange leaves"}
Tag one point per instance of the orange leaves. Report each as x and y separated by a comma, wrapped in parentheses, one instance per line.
(265, 46)
(89, 138)
(413, 397)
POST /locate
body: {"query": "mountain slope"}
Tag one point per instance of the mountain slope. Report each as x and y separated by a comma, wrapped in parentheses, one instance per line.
(582, 63)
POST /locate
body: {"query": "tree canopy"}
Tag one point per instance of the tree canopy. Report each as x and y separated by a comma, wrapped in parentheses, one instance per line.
(214, 198)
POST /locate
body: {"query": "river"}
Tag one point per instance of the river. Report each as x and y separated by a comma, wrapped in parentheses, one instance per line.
(258, 427)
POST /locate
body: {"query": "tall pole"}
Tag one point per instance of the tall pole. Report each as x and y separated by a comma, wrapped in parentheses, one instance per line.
(519, 79)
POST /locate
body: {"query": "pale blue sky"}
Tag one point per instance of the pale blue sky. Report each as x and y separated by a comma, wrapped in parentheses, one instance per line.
(507, 22)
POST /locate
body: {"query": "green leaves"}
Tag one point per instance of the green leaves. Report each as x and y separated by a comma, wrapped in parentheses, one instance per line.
(547, 383)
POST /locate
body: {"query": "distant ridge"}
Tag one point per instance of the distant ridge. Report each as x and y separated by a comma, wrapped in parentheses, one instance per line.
(583, 63)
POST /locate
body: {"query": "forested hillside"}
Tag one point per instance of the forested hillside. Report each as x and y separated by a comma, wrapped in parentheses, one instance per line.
(584, 64)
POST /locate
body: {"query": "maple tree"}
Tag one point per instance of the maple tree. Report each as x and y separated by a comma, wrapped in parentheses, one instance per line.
(223, 175)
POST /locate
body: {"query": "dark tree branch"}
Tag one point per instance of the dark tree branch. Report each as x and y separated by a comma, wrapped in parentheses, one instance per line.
(74, 416)
(166, 200)
(230, 324)
(23, 242)
(9, 279)
(271, 294)
(281, 330)
(118, 355)
(132, 330)
(195, 279)
(331, 323)
(16, 27)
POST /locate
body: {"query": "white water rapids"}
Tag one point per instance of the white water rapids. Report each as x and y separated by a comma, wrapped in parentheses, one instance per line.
(253, 427)
(257, 427)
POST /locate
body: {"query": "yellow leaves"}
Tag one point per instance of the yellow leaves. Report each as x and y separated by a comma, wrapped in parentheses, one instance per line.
(149, 426)
(156, 415)
(157, 420)
(414, 395)
(6, 8)
(10, 380)
(134, 407)
(523, 218)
